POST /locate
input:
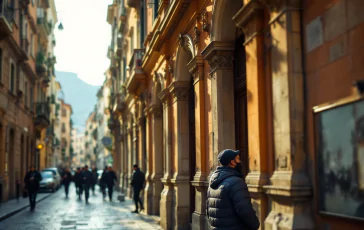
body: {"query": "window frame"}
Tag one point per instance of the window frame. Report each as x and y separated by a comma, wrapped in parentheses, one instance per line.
(12, 77)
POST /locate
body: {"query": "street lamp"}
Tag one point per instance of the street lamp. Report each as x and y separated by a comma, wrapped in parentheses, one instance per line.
(60, 26)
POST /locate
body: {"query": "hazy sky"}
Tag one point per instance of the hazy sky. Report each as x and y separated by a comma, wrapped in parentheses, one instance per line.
(82, 46)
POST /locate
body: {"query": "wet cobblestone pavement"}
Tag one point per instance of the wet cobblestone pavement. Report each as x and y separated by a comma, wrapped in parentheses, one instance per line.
(58, 213)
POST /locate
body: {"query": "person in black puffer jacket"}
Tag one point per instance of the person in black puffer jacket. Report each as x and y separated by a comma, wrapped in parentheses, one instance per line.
(228, 202)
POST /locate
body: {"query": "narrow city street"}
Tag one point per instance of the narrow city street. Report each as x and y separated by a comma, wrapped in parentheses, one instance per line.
(57, 212)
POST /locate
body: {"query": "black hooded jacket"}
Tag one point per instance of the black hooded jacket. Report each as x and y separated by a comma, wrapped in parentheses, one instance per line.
(228, 202)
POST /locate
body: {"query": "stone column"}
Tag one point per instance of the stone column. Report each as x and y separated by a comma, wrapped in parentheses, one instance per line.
(251, 19)
(125, 152)
(129, 159)
(135, 151)
(290, 188)
(148, 190)
(166, 195)
(196, 67)
(220, 58)
(122, 159)
(157, 151)
(117, 155)
(181, 177)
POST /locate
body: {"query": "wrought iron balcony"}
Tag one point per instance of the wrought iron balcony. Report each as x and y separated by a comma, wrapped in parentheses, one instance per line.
(42, 115)
(41, 64)
(137, 76)
(42, 21)
(6, 18)
(136, 60)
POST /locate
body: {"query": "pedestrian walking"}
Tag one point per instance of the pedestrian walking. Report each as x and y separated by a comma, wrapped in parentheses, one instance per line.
(110, 181)
(228, 202)
(86, 181)
(31, 180)
(77, 178)
(137, 183)
(66, 180)
(94, 179)
(103, 182)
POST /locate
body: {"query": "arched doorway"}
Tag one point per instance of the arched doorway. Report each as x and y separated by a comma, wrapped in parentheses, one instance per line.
(182, 89)
(240, 102)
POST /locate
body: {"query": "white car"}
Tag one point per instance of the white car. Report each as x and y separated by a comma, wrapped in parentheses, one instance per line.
(56, 176)
(48, 182)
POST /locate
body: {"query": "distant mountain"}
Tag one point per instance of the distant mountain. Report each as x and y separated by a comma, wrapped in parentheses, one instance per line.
(81, 95)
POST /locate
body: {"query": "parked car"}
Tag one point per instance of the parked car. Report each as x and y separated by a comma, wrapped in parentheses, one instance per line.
(56, 175)
(48, 182)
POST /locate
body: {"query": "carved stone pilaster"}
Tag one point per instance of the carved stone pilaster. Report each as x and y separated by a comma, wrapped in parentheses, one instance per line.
(250, 19)
(164, 96)
(179, 90)
(196, 68)
(219, 55)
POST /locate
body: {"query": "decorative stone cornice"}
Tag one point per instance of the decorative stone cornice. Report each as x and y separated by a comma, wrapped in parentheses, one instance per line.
(219, 55)
(179, 90)
(250, 19)
(195, 67)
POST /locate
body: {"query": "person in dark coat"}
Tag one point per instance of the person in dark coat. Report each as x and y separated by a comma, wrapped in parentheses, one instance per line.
(110, 180)
(103, 182)
(78, 182)
(66, 180)
(31, 180)
(228, 202)
(137, 183)
(94, 179)
(86, 181)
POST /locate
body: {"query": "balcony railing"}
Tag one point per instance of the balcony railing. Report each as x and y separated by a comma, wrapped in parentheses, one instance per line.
(41, 63)
(42, 114)
(42, 21)
(137, 59)
(6, 18)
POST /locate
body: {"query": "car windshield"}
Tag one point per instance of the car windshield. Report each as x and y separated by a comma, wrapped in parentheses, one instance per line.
(51, 171)
(46, 175)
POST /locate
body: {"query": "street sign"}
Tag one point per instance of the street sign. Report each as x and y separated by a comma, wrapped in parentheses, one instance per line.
(106, 141)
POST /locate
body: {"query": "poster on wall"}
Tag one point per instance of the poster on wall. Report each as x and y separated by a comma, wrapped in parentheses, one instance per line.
(340, 159)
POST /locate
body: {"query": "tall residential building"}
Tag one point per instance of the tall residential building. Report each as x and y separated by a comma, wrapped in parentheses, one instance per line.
(90, 140)
(24, 77)
(66, 113)
(104, 153)
(78, 149)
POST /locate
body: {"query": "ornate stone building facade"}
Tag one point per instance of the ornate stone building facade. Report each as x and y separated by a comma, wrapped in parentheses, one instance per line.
(192, 78)
(25, 70)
